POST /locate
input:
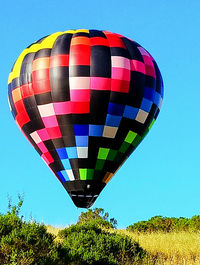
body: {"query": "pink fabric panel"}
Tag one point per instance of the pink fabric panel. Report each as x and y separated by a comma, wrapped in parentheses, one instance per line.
(42, 147)
(100, 83)
(35, 137)
(150, 70)
(120, 73)
(79, 83)
(43, 134)
(143, 51)
(137, 66)
(147, 60)
(50, 121)
(121, 62)
(62, 108)
(80, 95)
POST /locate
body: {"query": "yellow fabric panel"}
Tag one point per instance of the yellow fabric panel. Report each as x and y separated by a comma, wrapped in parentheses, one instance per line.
(82, 30)
(47, 43)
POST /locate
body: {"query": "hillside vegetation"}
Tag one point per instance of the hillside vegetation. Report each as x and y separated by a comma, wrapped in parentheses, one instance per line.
(95, 239)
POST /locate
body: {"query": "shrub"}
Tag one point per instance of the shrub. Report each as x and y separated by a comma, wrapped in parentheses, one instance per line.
(87, 243)
(26, 242)
(194, 224)
(29, 244)
(166, 224)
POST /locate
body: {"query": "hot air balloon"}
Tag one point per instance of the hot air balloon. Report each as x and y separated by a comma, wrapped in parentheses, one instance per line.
(85, 99)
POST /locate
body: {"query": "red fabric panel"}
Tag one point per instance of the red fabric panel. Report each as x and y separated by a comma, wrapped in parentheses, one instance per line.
(79, 55)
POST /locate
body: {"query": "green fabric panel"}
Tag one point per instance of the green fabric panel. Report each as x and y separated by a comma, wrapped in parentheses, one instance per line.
(103, 153)
(112, 154)
(90, 173)
(145, 133)
(99, 164)
(124, 147)
(119, 157)
(130, 137)
(83, 173)
(151, 124)
(137, 140)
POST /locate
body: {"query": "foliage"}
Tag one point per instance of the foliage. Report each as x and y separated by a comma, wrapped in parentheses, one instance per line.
(99, 217)
(87, 243)
(25, 242)
(167, 224)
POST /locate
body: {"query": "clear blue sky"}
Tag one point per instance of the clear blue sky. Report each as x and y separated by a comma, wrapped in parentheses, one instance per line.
(162, 177)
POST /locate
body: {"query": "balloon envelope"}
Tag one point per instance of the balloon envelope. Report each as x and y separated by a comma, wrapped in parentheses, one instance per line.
(85, 99)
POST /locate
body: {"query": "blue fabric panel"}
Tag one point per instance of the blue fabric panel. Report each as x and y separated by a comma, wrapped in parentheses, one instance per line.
(71, 152)
(81, 129)
(130, 112)
(81, 140)
(116, 109)
(62, 153)
(157, 98)
(96, 130)
(112, 120)
(146, 105)
(149, 93)
(61, 175)
(66, 163)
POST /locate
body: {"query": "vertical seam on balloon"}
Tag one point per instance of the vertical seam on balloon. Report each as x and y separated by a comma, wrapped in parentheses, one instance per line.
(52, 97)
(90, 102)
(41, 117)
(129, 73)
(72, 118)
(70, 114)
(31, 88)
(101, 178)
(128, 51)
(145, 132)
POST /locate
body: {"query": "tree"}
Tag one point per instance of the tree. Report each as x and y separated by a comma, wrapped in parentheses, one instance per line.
(97, 215)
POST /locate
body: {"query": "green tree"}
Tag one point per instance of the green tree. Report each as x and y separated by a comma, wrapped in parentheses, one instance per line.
(99, 216)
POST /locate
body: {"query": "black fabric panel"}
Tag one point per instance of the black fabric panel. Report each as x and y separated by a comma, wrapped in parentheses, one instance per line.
(84, 193)
(136, 89)
(79, 70)
(117, 51)
(97, 33)
(42, 53)
(26, 69)
(44, 98)
(62, 44)
(100, 61)
(134, 53)
(99, 106)
(59, 80)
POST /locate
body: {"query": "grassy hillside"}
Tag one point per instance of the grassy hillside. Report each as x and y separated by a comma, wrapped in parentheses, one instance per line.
(95, 240)
(171, 248)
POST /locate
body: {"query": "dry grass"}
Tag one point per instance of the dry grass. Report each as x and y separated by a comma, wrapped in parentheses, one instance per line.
(53, 230)
(176, 248)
